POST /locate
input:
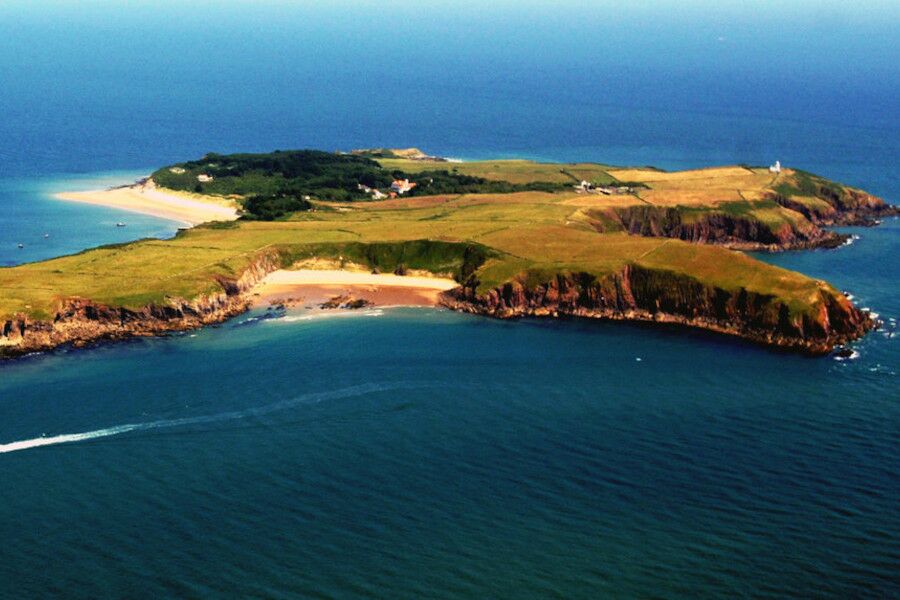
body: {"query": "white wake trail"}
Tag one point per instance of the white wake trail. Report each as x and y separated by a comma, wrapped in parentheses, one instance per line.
(358, 390)
(67, 438)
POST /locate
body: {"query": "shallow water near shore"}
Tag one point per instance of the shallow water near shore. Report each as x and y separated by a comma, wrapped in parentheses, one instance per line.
(47, 227)
(407, 453)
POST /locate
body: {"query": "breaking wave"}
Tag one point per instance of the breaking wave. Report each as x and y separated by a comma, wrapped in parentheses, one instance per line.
(315, 316)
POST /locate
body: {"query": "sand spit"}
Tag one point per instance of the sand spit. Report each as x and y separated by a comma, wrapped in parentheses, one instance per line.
(146, 198)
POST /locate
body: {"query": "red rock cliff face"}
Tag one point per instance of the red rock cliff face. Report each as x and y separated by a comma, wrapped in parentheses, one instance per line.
(79, 321)
(645, 295)
(723, 229)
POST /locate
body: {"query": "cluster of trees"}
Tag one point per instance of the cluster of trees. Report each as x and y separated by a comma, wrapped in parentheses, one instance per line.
(325, 175)
(269, 207)
(276, 184)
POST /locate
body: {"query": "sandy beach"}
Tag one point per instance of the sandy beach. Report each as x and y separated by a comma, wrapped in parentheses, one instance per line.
(309, 287)
(147, 199)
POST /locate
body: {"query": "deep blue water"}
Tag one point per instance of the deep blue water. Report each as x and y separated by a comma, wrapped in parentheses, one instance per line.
(419, 453)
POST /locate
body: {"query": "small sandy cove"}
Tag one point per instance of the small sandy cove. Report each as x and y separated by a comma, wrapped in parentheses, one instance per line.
(309, 287)
(146, 199)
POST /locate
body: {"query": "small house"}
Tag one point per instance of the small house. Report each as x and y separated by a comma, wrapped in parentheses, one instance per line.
(584, 186)
(776, 168)
(401, 186)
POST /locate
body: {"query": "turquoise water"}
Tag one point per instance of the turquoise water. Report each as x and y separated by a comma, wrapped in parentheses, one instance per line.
(422, 453)
(47, 227)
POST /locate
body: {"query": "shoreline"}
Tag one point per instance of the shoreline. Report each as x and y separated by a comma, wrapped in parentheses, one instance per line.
(146, 199)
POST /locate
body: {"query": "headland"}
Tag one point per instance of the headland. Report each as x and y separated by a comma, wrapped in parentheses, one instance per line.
(504, 238)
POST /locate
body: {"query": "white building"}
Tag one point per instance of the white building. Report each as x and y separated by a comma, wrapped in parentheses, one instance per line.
(401, 186)
(204, 178)
(776, 168)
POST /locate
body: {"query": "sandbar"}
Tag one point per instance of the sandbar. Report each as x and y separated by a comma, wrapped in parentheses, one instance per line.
(147, 199)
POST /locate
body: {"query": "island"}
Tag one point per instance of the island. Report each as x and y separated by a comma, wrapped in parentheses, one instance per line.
(503, 238)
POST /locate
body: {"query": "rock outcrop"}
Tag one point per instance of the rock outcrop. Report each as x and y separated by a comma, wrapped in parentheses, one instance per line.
(640, 294)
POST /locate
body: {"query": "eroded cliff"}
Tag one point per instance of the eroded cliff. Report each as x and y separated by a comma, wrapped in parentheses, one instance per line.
(641, 294)
(81, 321)
(743, 232)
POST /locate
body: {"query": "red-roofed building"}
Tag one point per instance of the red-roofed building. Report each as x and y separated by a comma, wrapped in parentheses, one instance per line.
(401, 186)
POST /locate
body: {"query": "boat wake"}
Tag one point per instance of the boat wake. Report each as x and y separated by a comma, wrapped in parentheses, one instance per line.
(312, 398)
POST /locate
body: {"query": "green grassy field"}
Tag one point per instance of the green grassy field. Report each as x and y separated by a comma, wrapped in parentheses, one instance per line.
(493, 237)
(518, 234)
(513, 171)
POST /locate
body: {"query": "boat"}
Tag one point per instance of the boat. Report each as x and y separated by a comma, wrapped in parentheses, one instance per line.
(21, 245)
(120, 224)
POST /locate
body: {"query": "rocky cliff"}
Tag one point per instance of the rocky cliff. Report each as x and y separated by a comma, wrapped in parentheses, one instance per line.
(732, 231)
(839, 206)
(80, 321)
(844, 206)
(635, 293)
(641, 294)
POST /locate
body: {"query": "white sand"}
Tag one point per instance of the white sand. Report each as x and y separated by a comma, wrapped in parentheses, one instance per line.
(338, 277)
(191, 209)
(315, 286)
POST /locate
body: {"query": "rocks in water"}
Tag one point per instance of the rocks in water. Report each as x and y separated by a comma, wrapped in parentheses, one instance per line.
(845, 353)
(345, 301)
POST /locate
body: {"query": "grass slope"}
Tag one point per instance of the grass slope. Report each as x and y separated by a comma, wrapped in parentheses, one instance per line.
(495, 236)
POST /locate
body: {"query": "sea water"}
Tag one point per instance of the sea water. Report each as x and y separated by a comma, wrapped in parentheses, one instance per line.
(423, 453)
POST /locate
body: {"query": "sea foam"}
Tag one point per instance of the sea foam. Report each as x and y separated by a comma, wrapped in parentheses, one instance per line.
(316, 316)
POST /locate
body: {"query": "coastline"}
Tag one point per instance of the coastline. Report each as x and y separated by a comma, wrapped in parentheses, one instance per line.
(80, 322)
(145, 198)
(634, 295)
